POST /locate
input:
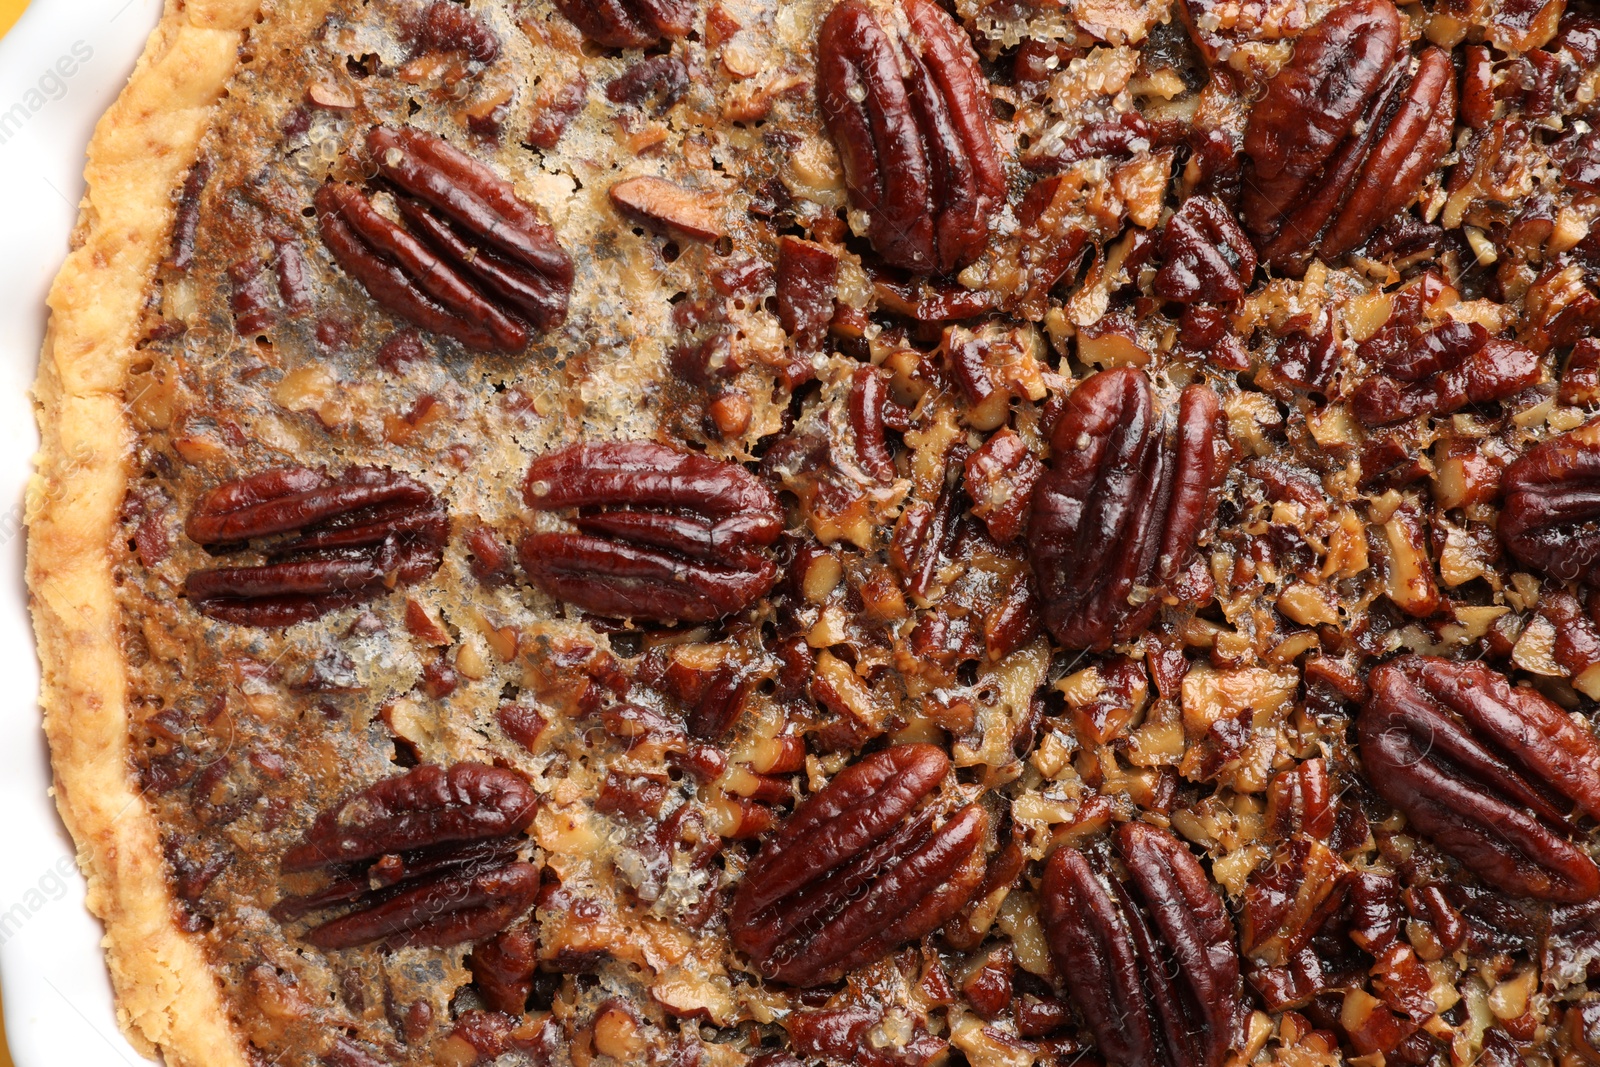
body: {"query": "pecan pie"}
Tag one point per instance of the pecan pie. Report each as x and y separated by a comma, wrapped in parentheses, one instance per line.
(864, 533)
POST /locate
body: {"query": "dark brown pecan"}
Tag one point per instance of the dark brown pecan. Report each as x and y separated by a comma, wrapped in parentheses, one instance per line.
(1148, 956)
(331, 542)
(870, 862)
(1344, 135)
(442, 847)
(503, 968)
(807, 278)
(473, 262)
(444, 26)
(869, 398)
(913, 124)
(1440, 371)
(1122, 505)
(1551, 518)
(659, 80)
(628, 23)
(664, 534)
(426, 806)
(1205, 256)
(845, 1035)
(1000, 479)
(455, 909)
(1493, 773)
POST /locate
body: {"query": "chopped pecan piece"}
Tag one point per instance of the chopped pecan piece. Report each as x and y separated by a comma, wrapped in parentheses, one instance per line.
(913, 125)
(473, 262)
(1492, 773)
(443, 847)
(871, 861)
(350, 539)
(444, 26)
(1345, 135)
(1205, 255)
(1148, 956)
(808, 275)
(1121, 507)
(628, 23)
(664, 534)
(845, 1035)
(1440, 371)
(1551, 518)
(661, 205)
(503, 968)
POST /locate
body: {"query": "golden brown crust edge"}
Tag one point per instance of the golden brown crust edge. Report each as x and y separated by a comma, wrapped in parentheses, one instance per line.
(167, 995)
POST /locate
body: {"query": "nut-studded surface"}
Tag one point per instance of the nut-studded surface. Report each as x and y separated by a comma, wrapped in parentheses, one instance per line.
(878, 532)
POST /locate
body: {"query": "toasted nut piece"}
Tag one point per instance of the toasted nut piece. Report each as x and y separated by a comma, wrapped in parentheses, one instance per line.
(660, 204)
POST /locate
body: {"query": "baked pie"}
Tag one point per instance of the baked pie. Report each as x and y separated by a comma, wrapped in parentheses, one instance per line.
(711, 533)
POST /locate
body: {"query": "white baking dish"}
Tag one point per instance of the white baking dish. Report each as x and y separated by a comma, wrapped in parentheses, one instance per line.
(60, 68)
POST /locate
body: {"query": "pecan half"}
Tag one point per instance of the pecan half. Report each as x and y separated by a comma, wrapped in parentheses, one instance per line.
(1149, 956)
(664, 534)
(1122, 505)
(443, 847)
(1493, 773)
(628, 23)
(1344, 135)
(348, 539)
(473, 260)
(914, 128)
(871, 861)
(1551, 518)
(426, 806)
(1440, 371)
(452, 910)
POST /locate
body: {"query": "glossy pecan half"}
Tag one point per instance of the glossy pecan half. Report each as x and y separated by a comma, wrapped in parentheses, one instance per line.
(1439, 371)
(664, 534)
(628, 23)
(327, 542)
(473, 260)
(912, 120)
(424, 807)
(1494, 774)
(1122, 505)
(1551, 518)
(427, 857)
(463, 906)
(1345, 135)
(871, 861)
(1147, 952)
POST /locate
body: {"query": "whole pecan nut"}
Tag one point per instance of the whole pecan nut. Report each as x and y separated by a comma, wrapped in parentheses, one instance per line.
(473, 260)
(1551, 518)
(333, 542)
(628, 23)
(664, 534)
(871, 861)
(1148, 956)
(443, 849)
(1440, 371)
(1121, 507)
(1493, 773)
(1344, 135)
(914, 128)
